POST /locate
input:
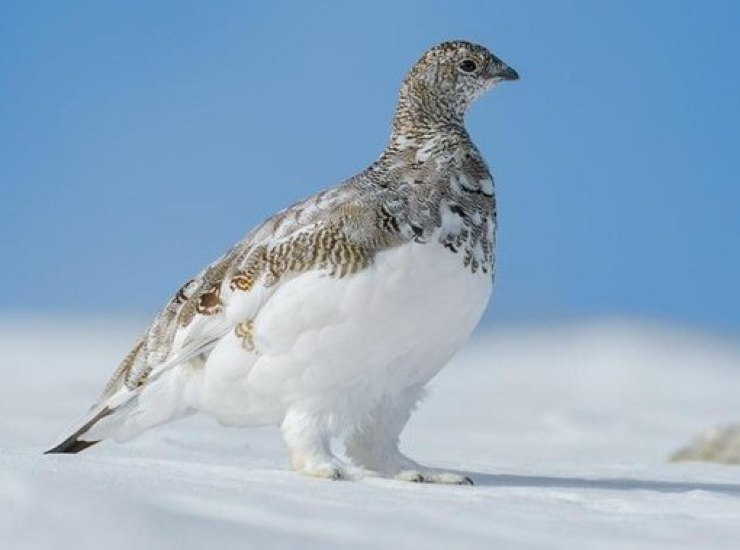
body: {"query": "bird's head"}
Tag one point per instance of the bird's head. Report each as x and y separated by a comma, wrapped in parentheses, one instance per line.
(448, 79)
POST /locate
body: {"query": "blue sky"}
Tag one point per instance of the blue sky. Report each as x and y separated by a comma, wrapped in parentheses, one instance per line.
(138, 140)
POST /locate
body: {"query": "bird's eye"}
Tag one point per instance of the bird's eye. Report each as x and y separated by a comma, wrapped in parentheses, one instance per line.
(468, 66)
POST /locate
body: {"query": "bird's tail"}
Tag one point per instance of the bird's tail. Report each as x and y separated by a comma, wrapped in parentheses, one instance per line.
(74, 443)
(126, 413)
(71, 445)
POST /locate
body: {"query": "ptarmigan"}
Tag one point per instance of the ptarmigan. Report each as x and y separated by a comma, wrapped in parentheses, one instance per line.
(329, 318)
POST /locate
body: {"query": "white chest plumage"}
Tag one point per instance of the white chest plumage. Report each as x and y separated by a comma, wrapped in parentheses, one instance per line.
(337, 346)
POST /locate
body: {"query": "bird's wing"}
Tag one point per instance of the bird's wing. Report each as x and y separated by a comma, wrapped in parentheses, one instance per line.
(309, 235)
(337, 231)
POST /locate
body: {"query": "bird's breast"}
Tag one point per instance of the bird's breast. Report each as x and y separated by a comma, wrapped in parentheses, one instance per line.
(344, 343)
(406, 313)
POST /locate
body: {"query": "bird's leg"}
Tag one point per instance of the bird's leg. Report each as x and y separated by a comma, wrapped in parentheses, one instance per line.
(309, 446)
(374, 444)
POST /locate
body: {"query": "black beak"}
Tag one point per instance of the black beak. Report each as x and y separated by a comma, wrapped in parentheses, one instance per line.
(508, 74)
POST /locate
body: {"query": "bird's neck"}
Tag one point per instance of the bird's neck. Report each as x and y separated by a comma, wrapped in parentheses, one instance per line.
(423, 114)
(417, 140)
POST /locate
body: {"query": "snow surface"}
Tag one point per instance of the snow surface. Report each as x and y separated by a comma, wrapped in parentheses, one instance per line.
(565, 430)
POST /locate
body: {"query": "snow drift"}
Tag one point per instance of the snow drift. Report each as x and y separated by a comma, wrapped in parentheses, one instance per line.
(566, 431)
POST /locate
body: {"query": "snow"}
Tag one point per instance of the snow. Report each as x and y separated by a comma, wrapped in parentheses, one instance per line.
(566, 431)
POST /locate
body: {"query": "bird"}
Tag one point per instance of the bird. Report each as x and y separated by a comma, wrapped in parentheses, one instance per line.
(329, 319)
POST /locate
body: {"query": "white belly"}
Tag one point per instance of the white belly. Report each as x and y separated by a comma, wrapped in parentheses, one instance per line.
(338, 345)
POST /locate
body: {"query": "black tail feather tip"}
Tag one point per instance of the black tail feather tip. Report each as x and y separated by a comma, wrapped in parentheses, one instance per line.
(71, 446)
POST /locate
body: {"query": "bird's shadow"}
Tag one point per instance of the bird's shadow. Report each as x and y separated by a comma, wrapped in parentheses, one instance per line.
(612, 484)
